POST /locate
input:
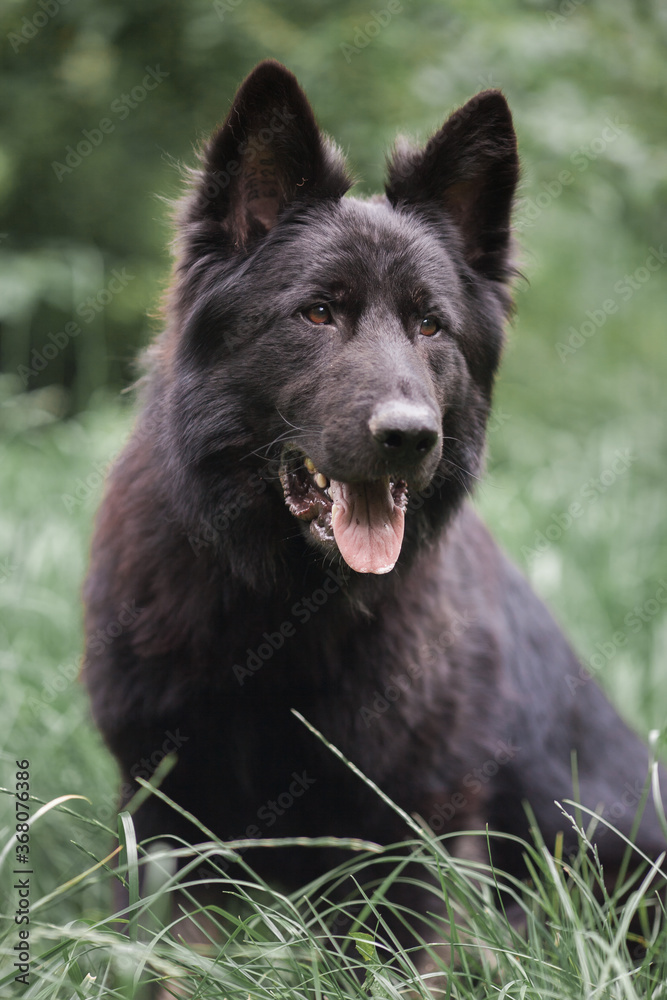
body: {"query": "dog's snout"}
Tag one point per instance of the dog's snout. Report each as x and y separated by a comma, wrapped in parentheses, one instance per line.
(405, 432)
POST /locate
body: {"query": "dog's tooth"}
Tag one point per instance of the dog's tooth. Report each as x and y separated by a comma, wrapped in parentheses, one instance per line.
(310, 465)
(320, 480)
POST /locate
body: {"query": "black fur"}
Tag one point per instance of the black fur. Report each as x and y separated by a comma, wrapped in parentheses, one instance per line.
(422, 676)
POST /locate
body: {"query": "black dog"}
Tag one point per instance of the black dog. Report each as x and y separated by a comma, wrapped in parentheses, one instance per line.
(289, 514)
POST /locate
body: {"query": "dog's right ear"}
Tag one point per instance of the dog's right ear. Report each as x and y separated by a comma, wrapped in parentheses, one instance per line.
(468, 171)
(268, 154)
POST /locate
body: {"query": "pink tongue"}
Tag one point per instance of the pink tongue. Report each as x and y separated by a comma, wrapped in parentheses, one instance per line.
(367, 525)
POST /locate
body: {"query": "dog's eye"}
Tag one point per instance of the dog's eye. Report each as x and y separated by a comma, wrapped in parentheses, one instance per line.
(318, 314)
(429, 326)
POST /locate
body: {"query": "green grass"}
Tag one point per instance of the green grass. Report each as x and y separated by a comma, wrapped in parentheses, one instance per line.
(577, 939)
(552, 435)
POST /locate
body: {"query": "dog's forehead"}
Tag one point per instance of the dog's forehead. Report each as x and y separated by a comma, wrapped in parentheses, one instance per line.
(359, 239)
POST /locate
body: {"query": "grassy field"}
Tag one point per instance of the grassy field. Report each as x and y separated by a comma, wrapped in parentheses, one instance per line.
(586, 430)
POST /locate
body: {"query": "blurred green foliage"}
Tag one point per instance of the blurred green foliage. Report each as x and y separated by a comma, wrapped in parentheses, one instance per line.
(78, 202)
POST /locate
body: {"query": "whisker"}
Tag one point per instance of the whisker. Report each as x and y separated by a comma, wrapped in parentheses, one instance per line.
(460, 468)
(285, 436)
(286, 421)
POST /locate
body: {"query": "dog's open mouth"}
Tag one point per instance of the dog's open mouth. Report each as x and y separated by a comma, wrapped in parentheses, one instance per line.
(365, 520)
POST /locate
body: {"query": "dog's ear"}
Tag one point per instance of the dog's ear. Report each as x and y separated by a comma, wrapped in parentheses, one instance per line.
(468, 170)
(268, 153)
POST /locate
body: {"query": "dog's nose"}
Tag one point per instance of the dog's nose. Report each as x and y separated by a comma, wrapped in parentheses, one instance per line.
(405, 432)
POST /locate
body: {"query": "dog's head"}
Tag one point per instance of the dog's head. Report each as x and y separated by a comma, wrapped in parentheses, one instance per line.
(343, 350)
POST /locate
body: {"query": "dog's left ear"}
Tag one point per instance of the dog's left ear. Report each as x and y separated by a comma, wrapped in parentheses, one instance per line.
(267, 154)
(469, 171)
